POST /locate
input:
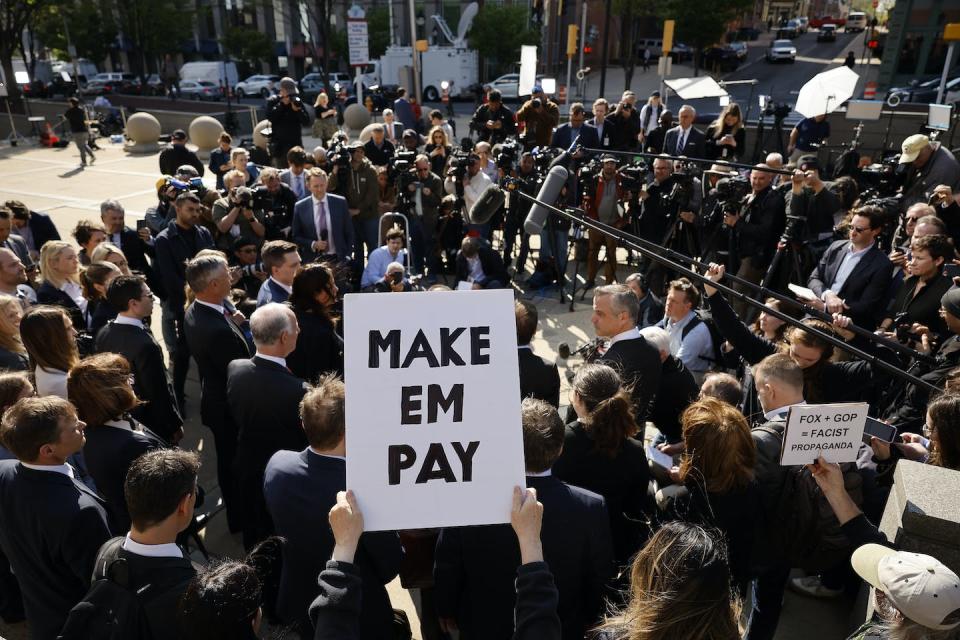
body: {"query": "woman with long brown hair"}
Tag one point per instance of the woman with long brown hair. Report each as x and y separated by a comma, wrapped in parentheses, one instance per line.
(601, 455)
(13, 355)
(51, 341)
(679, 588)
(99, 387)
(95, 280)
(726, 137)
(319, 348)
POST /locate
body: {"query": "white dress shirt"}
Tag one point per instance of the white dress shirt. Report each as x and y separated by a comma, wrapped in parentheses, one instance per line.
(64, 468)
(133, 322)
(168, 550)
(629, 334)
(73, 290)
(780, 413)
(851, 258)
(280, 361)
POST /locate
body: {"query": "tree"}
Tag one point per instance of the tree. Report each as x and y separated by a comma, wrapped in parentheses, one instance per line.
(15, 16)
(89, 32)
(498, 32)
(247, 45)
(698, 27)
(155, 28)
(629, 12)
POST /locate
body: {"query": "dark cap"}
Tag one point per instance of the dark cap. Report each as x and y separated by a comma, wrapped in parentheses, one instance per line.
(410, 133)
(951, 302)
(807, 163)
(179, 134)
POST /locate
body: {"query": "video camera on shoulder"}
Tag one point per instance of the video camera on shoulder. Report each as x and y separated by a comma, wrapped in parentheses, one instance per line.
(509, 151)
(258, 197)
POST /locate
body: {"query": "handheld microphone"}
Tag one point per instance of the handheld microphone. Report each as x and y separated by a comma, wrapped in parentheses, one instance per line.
(552, 185)
(324, 234)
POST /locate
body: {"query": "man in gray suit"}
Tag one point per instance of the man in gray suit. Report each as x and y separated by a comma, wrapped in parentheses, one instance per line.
(685, 139)
(321, 222)
(295, 175)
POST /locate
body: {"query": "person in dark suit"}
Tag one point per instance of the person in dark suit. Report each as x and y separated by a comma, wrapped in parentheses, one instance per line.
(161, 492)
(127, 335)
(685, 139)
(135, 245)
(853, 277)
(475, 567)
(300, 487)
(51, 525)
(34, 227)
(480, 265)
(321, 223)
(654, 142)
(9, 240)
(180, 241)
(576, 131)
(651, 307)
(600, 454)
(265, 398)
(678, 388)
(615, 309)
(114, 438)
(60, 281)
(215, 341)
(282, 262)
(319, 346)
(538, 378)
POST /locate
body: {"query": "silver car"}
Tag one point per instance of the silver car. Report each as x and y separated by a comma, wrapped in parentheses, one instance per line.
(262, 85)
(781, 50)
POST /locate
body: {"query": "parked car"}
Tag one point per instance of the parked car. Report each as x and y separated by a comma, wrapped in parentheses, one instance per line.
(720, 59)
(200, 90)
(740, 48)
(262, 85)
(816, 23)
(679, 53)
(925, 91)
(155, 86)
(113, 82)
(788, 29)
(747, 33)
(509, 85)
(781, 50)
(803, 22)
(827, 33)
(856, 22)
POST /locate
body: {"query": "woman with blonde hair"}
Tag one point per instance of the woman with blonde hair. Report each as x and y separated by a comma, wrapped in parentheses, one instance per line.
(60, 280)
(679, 588)
(726, 136)
(600, 454)
(438, 150)
(325, 123)
(13, 355)
(240, 160)
(109, 252)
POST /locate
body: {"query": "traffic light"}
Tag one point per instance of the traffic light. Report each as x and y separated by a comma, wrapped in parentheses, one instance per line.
(873, 44)
(587, 48)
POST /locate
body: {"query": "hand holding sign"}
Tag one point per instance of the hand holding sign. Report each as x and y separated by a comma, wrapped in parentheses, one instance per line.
(526, 518)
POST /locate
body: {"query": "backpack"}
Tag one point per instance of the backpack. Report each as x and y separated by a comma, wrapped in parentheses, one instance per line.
(110, 610)
(703, 316)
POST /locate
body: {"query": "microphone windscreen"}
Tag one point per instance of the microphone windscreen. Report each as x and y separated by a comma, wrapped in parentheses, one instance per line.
(552, 185)
(486, 205)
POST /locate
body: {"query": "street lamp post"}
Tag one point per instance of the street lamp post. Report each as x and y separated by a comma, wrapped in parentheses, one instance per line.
(606, 47)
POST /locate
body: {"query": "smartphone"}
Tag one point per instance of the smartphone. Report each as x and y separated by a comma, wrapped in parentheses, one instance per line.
(141, 224)
(951, 270)
(879, 430)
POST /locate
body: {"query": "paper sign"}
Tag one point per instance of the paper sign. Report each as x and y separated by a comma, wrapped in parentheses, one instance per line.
(802, 292)
(464, 285)
(659, 458)
(433, 431)
(832, 430)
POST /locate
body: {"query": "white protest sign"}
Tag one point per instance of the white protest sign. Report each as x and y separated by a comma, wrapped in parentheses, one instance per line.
(433, 431)
(831, 430)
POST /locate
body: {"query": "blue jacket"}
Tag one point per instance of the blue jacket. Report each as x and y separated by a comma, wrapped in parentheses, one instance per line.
(304, 230)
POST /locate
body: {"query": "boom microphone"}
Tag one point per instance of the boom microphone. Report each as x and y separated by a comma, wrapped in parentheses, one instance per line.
(552, 185)
(486, 205)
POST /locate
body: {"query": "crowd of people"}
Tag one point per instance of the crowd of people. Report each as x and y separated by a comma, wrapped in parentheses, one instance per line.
(655, 503)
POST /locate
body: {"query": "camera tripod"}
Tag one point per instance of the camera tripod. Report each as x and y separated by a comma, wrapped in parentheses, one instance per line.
(787, 264)
(759, 146)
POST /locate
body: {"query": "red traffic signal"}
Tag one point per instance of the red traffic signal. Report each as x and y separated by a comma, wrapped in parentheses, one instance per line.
(587, 48)
(872, 44)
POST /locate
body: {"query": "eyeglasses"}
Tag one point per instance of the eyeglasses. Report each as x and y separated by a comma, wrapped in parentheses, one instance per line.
(860, 229)
(913, 218)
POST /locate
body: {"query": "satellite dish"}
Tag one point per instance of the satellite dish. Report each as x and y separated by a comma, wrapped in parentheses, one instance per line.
(466, 20)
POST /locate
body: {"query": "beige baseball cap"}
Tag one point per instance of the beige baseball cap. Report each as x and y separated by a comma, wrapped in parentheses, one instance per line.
(921, 587)
(912, 147)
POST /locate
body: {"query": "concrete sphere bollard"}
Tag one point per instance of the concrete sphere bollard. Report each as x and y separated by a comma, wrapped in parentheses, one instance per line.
(356, 117)
(205, 133)
(143, 129)
(367, 132)
(260, 140)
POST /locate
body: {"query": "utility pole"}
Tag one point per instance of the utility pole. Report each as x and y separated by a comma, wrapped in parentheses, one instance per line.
(606, 47)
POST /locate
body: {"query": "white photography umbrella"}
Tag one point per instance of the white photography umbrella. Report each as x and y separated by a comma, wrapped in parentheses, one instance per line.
(826, 91)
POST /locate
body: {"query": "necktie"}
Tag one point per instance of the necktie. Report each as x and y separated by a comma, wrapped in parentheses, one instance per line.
(321, 221)
(681, 142)
(300, 186)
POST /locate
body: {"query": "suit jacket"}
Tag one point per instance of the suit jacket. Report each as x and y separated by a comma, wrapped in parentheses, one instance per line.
(475, 567)
(42, 228)
(397, 128)
(564, 136)
(319, 348)
(608, 136)
(49, 294)
(51, 527)
(264, 397)
(109, 452)
(300, 489)
(173, 249)
(159, 411)
(16, 244)
(678, 389)
(490, 261)
(638, 363)
(136, 251)
(538, 378)
(304, 231)
(864, 290)
(694, 147)
(214, 341)
(286, 177)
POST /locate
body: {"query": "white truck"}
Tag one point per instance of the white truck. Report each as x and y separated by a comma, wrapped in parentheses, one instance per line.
(219, 73)
(456, 63)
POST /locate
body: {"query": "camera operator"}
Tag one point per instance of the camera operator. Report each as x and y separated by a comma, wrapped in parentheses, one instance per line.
(493, 122)
(474, 181)
(378, 149)
(287, 117)
(538, 120)
(246, 256)
(278, 203)
(411, 141)
(517, 211)
(807, 136)
(394, 281)
(158, 217)
(756, 231)
(362, 196)
(234, 214)
(601, 201)
(811, 199)
(426, 191)
(932, 164)
(626, 126)
(659, 212)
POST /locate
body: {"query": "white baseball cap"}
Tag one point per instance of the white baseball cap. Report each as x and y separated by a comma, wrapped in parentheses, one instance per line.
(921, 587)
(912, 147)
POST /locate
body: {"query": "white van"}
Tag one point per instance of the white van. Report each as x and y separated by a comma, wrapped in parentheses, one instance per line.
(856, 21)
(218, 73)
